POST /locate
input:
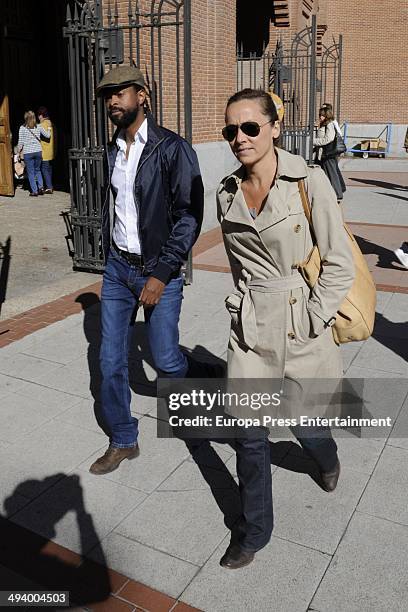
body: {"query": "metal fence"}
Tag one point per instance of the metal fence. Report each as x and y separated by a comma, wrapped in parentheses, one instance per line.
(304, 77)
(100, 37)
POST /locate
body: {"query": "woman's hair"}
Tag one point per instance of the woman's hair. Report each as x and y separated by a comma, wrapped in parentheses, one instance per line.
(328, 106)
(44, 112)
(327, 113)
(30, 119)
(265, 101)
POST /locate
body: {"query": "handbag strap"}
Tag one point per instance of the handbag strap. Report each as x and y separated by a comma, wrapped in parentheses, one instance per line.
(32, 134)
(306, 207)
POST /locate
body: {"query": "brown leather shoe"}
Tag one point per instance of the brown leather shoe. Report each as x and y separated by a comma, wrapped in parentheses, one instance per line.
(111, 460)
(329, 479)
(234, 557)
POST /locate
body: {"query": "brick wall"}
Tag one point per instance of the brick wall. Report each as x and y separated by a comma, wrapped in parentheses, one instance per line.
(213, 66)
(374, 58)
(375, 76)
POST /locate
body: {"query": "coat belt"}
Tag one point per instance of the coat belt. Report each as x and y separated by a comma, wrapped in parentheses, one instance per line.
(241, 300)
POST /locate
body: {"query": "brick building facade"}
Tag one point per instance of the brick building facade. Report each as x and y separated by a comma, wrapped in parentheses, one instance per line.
(374, 76)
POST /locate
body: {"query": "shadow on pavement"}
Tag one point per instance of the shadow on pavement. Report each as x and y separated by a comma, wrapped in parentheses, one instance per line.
(202, 363)
(381, 184)
(392, 195)
(29, 561)
(69, 238)
(393, 336)
(386, 257)
(5, 268)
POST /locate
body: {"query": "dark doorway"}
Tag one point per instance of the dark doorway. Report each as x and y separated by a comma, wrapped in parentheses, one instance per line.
(253, 23)
(35, 69)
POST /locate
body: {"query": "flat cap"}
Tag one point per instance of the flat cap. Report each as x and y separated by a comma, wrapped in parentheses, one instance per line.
(120, 76)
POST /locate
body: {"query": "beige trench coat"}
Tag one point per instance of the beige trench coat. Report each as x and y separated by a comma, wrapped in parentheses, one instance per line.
(278, 326)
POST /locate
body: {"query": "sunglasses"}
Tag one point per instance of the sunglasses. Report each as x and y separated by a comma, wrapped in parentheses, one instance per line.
(250, 128)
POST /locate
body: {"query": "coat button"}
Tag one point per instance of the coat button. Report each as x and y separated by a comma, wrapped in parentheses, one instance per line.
(291, 335)
(297, 228)
(292, 300)
(230, 198)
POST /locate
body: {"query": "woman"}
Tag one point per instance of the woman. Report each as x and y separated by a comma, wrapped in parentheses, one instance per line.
(326, 134)
(48, 149)
(280, 328)
(29, 144)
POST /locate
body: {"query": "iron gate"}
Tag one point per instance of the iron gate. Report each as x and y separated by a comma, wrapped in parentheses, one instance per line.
(304, 77)
(100, 37)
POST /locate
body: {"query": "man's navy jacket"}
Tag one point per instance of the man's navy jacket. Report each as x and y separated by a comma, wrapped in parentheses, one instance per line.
(169, 196)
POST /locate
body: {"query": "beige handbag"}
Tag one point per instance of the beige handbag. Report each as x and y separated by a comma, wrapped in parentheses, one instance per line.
(355, 317)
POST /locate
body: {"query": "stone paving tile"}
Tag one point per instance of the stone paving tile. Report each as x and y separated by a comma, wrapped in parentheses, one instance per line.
(20, 415)
(80, 510)
(364, 372)
(14, 504)
(73, 378)
(377, 179)
(48, 454)
(82, 415)
(282, 577)
(144, 404)
(157, 459)
(214, 343)
(388, 355)
(25, 367)
(161, 522)
(399, 434)
(153, 568)
(368, 572)
(56, 401)
(9, 384)
(71, 345)
(358, 454)
(187, 477)
(349, 352)
(390, 476)
(307, 515)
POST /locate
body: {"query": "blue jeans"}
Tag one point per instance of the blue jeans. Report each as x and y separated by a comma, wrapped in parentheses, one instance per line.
(46, 169)
(33, 166)
(122, 285)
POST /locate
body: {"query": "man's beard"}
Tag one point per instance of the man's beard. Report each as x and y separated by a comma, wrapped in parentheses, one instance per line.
(125, 119)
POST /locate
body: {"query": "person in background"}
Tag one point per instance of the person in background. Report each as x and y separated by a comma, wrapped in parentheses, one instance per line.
(329, 107)
(326, 134)
(402, 257)
(29, 144)
(48, 149)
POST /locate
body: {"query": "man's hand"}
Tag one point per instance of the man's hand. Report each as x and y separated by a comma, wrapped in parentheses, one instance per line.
(151, 292)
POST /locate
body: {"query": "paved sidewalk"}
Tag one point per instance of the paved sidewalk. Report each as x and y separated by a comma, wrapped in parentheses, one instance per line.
(35, 245)
(155, 521)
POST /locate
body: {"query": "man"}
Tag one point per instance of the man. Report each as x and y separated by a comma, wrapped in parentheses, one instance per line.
(151, 218)
(48, 149)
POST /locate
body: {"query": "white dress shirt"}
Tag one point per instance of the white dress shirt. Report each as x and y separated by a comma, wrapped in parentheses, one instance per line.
(125, 230)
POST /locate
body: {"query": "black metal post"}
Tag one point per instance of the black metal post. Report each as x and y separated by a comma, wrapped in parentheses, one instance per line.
(312, 88)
